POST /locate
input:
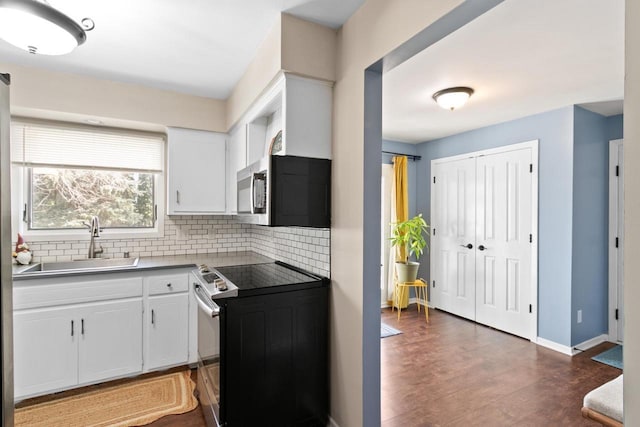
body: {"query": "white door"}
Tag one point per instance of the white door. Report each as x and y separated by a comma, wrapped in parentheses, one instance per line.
(45, 345)
(453, 236)
(503, 243)
(110, 340)
(167, 323)
(616, 240)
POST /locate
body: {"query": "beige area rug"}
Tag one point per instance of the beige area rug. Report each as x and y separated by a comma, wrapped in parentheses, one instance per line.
(132, 404)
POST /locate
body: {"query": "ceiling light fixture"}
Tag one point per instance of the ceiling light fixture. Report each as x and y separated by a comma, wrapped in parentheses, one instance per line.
(36, 27)
(453, 97)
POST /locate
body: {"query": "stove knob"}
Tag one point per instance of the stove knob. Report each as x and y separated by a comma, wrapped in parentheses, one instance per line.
(221, 285)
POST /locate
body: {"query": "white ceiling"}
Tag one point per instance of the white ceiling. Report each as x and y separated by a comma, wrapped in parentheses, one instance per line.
(523, 57)
(199, 47)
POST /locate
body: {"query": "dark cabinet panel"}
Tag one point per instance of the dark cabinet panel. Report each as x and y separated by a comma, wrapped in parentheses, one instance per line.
(275, 355)
(301, 191)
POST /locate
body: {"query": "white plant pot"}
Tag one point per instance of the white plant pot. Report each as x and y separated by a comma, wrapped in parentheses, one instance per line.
(407, 272)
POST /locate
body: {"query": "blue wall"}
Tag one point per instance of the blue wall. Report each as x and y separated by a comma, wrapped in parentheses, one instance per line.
(614, 127)
(589, 291)
(554, 130)
(410, 149)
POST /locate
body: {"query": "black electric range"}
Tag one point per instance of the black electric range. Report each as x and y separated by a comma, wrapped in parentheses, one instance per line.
(273, 347)
(276, 277)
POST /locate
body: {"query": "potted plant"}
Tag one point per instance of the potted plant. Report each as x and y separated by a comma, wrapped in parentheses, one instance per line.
(410, 235)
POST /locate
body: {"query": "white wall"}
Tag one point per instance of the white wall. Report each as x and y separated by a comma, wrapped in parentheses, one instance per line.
(39, 93)
(293, 45)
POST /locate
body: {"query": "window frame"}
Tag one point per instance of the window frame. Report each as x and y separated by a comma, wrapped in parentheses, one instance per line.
(21, 199)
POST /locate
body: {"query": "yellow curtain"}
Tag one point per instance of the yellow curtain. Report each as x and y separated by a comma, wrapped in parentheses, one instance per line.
(402, 197)
(401, 184)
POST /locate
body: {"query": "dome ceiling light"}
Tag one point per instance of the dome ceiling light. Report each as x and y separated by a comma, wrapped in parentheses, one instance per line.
(37, 27)
(453, 97)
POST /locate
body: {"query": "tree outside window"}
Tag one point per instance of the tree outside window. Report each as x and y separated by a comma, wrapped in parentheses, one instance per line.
(67, 198)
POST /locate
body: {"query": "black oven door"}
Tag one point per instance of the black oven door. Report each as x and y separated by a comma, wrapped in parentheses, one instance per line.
(208, 357)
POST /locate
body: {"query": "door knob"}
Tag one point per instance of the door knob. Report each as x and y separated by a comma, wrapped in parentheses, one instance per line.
(482, 247)
(468, 246)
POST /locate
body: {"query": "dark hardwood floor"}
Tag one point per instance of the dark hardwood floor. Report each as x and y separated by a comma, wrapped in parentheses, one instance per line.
(453, 372)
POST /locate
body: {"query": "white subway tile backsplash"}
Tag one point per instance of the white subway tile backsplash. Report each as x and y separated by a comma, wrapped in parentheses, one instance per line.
(189, 235)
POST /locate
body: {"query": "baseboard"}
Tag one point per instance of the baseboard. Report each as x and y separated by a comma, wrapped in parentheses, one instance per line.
(411, 301)
(572, 351)
(586, 345)
(332, 423)
(564, 349)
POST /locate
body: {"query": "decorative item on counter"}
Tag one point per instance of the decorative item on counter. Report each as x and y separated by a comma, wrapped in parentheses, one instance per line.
(22, 254)
(276, 143)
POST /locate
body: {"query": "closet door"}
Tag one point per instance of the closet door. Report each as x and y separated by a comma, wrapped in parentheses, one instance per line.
(503, 251)
(453, 217)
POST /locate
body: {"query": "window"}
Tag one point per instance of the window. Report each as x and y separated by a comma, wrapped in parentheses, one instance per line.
(65, 173)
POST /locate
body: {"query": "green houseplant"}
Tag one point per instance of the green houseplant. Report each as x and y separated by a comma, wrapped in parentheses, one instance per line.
(410, 235)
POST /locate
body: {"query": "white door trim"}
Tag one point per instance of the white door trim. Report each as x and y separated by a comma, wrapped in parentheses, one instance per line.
(533, 145)
(616, 204)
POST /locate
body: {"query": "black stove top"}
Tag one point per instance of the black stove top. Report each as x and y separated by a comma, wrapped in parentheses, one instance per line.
(254, 278)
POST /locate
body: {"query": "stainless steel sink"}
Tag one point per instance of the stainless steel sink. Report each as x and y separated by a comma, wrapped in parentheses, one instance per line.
(84, 264)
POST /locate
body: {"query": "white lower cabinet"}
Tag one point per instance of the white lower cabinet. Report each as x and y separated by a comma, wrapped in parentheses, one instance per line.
(61, 347)
(167, 326)
(110, 340)
(80, 330)
(45, 350)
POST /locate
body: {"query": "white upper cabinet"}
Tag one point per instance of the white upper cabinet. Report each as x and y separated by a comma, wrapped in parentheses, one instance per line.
(306, 118)
(300, 107)
(196, 172)
(236, 160)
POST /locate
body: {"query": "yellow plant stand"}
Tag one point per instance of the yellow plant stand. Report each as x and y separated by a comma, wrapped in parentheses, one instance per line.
(402, 293)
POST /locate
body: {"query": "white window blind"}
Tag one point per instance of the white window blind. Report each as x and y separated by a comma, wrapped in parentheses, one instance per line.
(48, 144)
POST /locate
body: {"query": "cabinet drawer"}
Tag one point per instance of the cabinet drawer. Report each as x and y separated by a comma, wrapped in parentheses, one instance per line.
(168, 283)
(42, 293)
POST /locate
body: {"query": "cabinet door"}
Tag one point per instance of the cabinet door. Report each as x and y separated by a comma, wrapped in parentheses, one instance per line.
(236, 160)
(45, 350)
(167, 331)
(110, 340)
(196, 172)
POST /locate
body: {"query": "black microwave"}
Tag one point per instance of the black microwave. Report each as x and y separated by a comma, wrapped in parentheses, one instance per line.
(286, 191)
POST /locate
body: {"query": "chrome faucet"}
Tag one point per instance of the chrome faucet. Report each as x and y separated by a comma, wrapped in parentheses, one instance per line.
(94, 229)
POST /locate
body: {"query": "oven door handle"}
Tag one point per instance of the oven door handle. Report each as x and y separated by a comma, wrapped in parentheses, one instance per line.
(209, 307)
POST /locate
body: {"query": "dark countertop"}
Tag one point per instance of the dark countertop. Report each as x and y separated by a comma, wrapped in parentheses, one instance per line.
(154, 263)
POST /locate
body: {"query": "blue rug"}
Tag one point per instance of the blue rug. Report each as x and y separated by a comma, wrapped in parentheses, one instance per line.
(388, 331)
(611, 357)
